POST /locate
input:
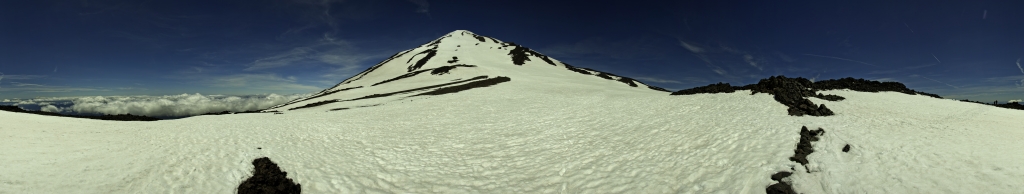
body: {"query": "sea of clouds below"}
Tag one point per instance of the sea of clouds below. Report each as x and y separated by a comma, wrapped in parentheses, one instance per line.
(169, 106)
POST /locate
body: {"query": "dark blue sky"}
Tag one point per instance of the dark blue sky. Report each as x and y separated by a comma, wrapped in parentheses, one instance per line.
(957, 49)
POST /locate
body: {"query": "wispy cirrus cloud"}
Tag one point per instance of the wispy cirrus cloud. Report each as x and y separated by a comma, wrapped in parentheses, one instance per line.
(937, 81)
(844, 59)
(690, 47)
(21, 87)
(891, 71)
(658, 80)
(19, 84)
(753, 62)
(422, 6)
(595, 47)
(730, 61)
(259, 82)
(682, 80)
(290, 57)
(339, 54)
(21, 77)
(1021, 82)
(699, 53)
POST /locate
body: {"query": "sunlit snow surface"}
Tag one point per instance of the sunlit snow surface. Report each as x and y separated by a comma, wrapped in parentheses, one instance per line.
(511, 139)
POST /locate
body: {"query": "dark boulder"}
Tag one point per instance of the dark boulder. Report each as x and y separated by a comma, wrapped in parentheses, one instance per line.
(268, 178)
(780, 188)
(829, 97)
(780, 175)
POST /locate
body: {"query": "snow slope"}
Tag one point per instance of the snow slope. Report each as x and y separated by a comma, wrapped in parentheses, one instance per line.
(451, 60)
(499, 142)
(554, 133)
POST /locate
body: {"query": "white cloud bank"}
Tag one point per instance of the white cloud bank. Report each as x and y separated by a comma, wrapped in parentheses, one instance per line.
(1012, 101)
(50, 108)
(173, 105)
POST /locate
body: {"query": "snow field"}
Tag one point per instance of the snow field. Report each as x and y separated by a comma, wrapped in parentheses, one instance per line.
(914, 144)
(510, 141)
(505, 144)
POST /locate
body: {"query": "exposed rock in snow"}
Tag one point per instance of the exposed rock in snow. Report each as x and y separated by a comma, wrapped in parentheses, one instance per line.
(793, 92)
(804, 147)
(467, 86)
(268, 178)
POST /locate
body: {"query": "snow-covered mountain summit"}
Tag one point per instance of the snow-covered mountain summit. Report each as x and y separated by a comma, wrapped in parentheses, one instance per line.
(458, 61)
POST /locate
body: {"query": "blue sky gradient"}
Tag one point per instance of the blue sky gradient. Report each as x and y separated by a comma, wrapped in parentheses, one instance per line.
(957, 49)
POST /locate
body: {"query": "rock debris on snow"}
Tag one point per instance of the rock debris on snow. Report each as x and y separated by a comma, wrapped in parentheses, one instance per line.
(803, 148)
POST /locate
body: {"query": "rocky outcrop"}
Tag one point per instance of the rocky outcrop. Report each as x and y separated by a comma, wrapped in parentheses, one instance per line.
(1012, 105)
(862, 85)
(521, 54)
(793, 92)
(430, 54)
(268, 178)
(709, 89)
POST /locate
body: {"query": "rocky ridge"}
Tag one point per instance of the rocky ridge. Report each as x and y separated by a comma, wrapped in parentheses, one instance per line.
(793, 92)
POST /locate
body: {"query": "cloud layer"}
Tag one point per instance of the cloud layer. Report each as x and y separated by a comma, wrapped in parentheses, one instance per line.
(164, 106)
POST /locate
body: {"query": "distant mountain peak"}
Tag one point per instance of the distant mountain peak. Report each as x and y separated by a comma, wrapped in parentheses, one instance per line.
(453, 60)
